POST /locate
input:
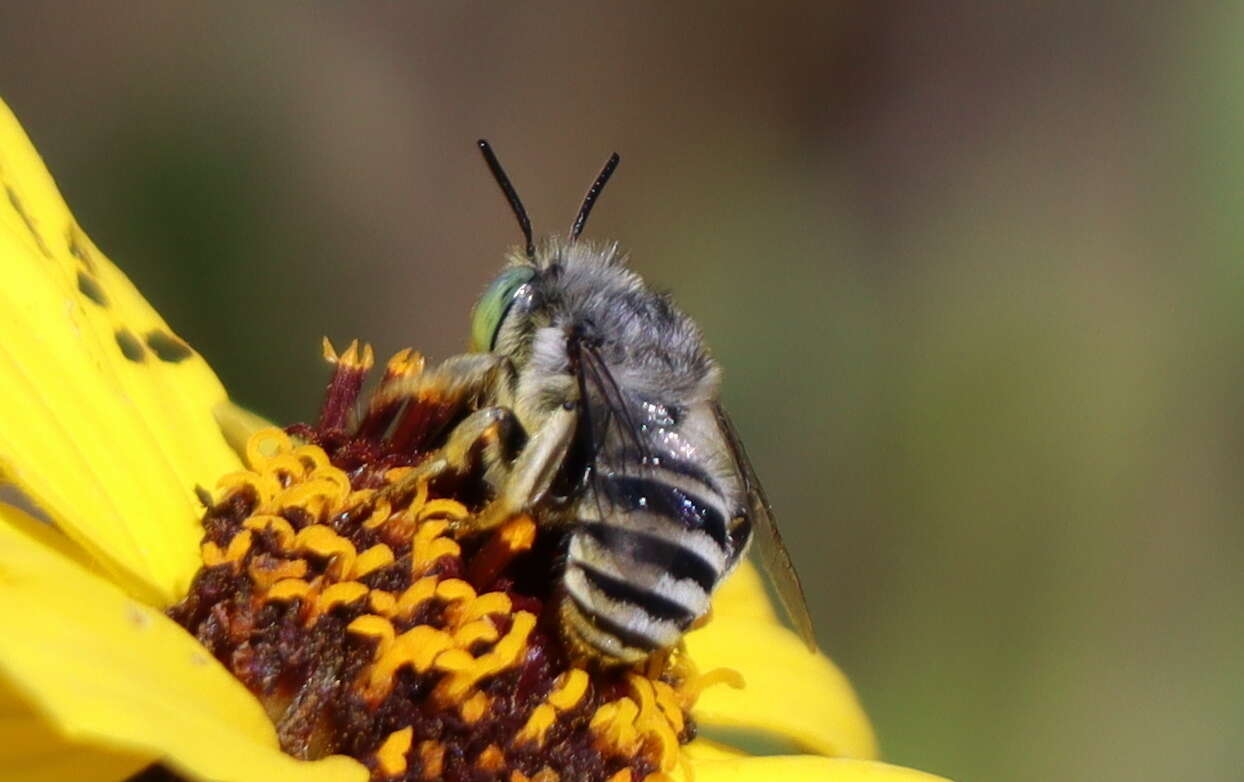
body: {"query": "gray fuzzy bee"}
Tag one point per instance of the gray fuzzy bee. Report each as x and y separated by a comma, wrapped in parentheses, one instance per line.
(594, 407)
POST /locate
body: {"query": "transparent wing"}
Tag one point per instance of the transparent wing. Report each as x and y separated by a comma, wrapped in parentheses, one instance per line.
(615, 446)
(617, 425)
(607, 425)
(773, 554)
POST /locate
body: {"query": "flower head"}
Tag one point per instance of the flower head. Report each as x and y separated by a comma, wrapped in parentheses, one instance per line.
(365, 628)
(340, 627)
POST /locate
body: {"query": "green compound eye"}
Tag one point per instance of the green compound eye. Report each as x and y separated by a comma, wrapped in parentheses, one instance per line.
(492, 307)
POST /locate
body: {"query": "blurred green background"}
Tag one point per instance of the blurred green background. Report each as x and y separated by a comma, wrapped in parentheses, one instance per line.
(973, 271)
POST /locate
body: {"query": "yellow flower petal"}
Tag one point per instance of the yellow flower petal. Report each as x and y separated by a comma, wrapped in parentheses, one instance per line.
(31, 751)
(109, 446)
(112, 674)
(742, 598)
(43, 533)
(789, 692)
(702, 750)
(715, 765)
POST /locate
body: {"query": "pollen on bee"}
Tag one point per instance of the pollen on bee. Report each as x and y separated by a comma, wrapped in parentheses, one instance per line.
(374, 623)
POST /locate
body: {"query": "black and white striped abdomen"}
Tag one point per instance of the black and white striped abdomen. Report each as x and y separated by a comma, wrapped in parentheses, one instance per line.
(644, 556)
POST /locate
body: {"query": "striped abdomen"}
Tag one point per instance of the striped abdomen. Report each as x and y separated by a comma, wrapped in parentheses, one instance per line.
(644, 556)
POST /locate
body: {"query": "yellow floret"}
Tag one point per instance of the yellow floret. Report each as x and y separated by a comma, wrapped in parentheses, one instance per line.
(391, 757)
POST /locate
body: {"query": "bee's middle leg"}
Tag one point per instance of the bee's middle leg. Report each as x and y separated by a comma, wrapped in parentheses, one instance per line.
(483, 439)
(522, 484)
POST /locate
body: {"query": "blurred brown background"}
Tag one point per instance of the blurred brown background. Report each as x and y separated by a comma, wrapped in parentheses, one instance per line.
(974, 271)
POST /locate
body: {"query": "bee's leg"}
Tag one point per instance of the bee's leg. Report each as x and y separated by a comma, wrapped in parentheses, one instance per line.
(455, 381)
(483, 437)
(453, 385)
(532, 473)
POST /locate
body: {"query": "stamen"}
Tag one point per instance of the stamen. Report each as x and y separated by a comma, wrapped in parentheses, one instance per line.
(343, 593)
(241, 543)
(374, 558)
(380, 512)
(274, 524)
(289, 589)
(265, 571)
(728, 676)
(287, 468)
(382, 602)
(391, 757)
(442, 509)
(479, 631)
(430, 546)
(313, 456)
(652, 722)
(491, 759)
(537, 725)
(490, 603)
(416, 595)
(265, 487)
(667, 700)
(432, 757)
(377, 627)
(569, 690)
(321, 541)
(474, 708)
(265, 444)
(417, 648)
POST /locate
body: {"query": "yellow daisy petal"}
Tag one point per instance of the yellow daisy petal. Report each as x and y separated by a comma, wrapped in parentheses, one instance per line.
(108, 415)
(714, 761)
(742, 598)
(702, 750)
(110, 673)
(31, 751)
(43, 533)
(789, 692)
(805, 768)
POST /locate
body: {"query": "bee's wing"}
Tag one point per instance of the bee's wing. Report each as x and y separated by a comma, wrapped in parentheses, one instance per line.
(773, 553)
(606, 422)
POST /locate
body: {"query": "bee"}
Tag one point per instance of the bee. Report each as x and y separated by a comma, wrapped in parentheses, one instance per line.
(593, 407)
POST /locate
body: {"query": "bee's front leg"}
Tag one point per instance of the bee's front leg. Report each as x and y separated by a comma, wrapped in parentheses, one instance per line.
(457, 381)
(457, 384)
(484, 438)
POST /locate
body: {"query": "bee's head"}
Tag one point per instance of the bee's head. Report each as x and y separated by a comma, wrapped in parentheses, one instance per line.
(505, 313)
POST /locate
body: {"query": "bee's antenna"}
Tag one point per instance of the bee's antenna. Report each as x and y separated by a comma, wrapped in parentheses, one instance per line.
(503, 181)
(593, 193)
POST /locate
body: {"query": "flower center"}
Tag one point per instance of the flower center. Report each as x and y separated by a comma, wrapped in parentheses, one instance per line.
(367, 627)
